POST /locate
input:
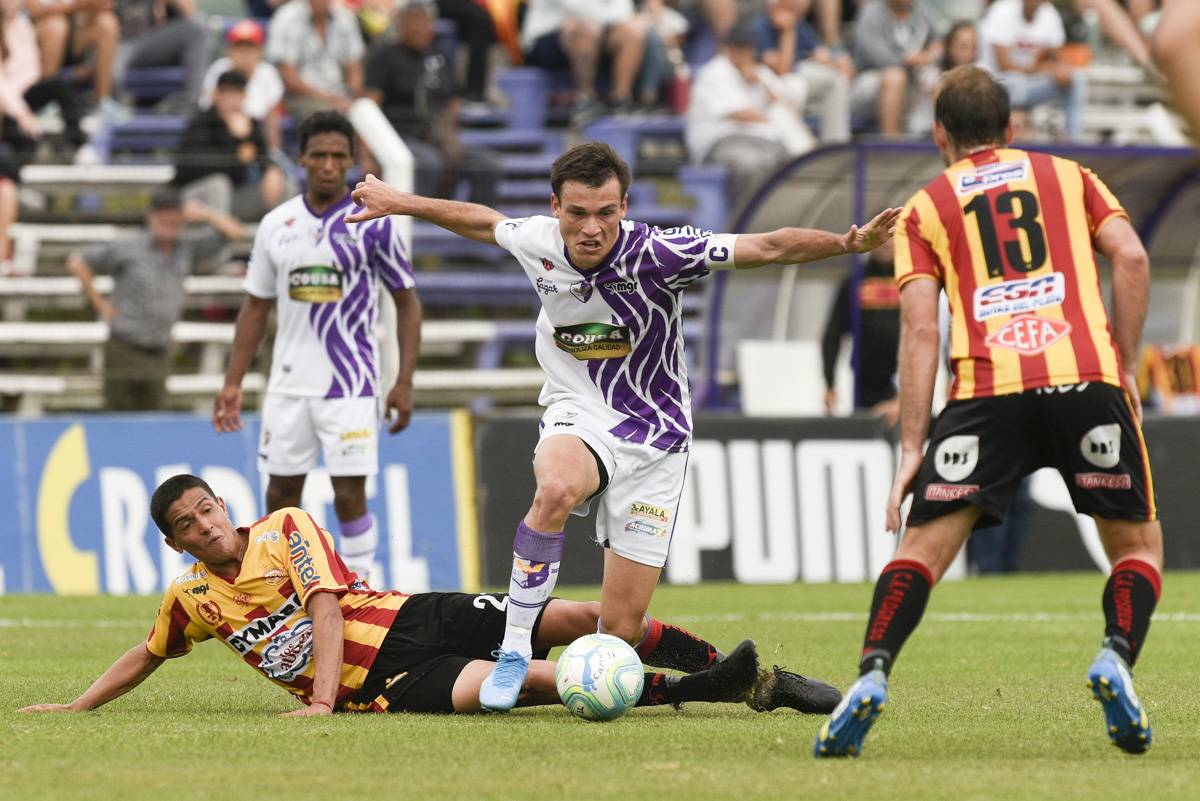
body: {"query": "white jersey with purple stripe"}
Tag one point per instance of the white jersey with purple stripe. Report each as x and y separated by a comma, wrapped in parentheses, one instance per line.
(324, 275)
(611, 338)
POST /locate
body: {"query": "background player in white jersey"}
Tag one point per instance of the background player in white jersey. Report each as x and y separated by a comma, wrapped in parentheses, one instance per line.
(323, 274)
(618, 412)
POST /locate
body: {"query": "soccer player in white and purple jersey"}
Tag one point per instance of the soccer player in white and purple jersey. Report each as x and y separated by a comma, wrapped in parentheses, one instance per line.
(323, 274)
(618, 413)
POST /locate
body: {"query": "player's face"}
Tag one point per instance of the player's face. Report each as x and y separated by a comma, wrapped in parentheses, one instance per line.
(165, 225)
(327, 158)
(200, 525)
(589, 218)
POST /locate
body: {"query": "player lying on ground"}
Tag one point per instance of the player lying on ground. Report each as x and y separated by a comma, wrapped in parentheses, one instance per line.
(617, 426)
(1043, 377)
(279, 596)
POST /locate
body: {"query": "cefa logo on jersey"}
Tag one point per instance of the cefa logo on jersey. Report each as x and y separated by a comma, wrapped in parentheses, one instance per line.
(302, 560)
(1020, 295)
(1029, 336)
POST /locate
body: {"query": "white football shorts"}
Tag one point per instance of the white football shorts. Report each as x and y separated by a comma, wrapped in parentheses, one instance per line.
(295, 430)
(637, 511)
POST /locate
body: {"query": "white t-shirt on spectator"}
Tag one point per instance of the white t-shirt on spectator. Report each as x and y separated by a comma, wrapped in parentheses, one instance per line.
(292, 39)
(718, 91)
(1004, 24)
(546, 16)
(264, 90)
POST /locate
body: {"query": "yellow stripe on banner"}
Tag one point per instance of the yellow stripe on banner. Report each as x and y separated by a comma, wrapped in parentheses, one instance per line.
(462, 455)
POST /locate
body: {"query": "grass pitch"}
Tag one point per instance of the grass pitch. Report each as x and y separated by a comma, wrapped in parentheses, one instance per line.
(988, 702)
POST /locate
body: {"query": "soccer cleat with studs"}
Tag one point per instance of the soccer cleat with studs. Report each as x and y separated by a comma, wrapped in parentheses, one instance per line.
(732, 679)
(842, 735)
(1125, 718)
(783, 688)
(502, 687)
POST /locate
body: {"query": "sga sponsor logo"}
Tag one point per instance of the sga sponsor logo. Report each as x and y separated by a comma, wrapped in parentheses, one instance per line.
(1020, 295)
(1111, 481)
(315, 283)
(302, 560)
(992, 175)
(594, 340)
(949, 492)
(1029, 336)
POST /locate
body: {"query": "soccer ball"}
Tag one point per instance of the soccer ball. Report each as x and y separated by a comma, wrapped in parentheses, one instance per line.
(599, 676)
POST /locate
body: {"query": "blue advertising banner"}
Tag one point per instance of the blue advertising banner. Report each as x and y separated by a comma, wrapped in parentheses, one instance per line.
(77, 496)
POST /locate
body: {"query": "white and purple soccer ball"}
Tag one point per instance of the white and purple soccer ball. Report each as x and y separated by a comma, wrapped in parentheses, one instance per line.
(599, 677)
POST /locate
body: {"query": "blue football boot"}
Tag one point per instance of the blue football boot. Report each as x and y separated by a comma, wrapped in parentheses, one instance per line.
(842, 735)
(1124, 716)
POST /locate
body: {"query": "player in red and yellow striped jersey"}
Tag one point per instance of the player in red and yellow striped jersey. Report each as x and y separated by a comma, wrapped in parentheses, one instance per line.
(1043, 377)
(278, 595)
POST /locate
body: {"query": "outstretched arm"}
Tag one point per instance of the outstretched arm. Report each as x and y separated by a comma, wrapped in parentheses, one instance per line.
(126, 673)
(469, 220)
(796, 245)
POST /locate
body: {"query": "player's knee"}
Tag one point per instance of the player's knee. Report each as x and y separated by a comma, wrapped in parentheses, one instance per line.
(558, 495)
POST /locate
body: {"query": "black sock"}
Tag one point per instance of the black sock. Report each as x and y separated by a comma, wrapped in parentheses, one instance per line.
(663, 688)
(1129, 599)
(900, 596)
(666, 646)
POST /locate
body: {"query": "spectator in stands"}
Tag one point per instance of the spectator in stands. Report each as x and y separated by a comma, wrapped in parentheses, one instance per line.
(893, 42)
(163, 33)
(477, 33)
(23, 91)
(68, 31)
(1177, 48)
(960, 48)
(318, 49)
(264, 87)
(586, 35)
(742, 115)
(223, 158)
(413, 82)
(879, 337)
(1020, 41)
(148, 295)
(263, 9)
(792, 48)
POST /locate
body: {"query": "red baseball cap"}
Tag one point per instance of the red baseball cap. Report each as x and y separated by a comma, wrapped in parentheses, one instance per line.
(245, 31)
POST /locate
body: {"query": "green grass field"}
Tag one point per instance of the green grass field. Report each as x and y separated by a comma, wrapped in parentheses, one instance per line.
(988, 701)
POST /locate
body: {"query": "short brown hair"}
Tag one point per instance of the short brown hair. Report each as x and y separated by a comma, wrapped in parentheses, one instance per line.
(591, 164)
(972, 107)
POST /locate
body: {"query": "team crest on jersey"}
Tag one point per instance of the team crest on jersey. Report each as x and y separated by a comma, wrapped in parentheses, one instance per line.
(594, 340)
(990, 175)
(547, 265)
(582, 290)
(315, 283)
(210, 612)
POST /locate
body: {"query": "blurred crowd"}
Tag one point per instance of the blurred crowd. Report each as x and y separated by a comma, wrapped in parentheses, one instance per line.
(757, 81)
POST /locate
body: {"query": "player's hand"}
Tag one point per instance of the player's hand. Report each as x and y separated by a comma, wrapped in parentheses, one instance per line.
(888, 411)
(227, 409)
(830, 401)
(874, 233)
(1129, 384)
(906, 474)
(47, 708)
(399, 407)
(376, 198)
(310, 711)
